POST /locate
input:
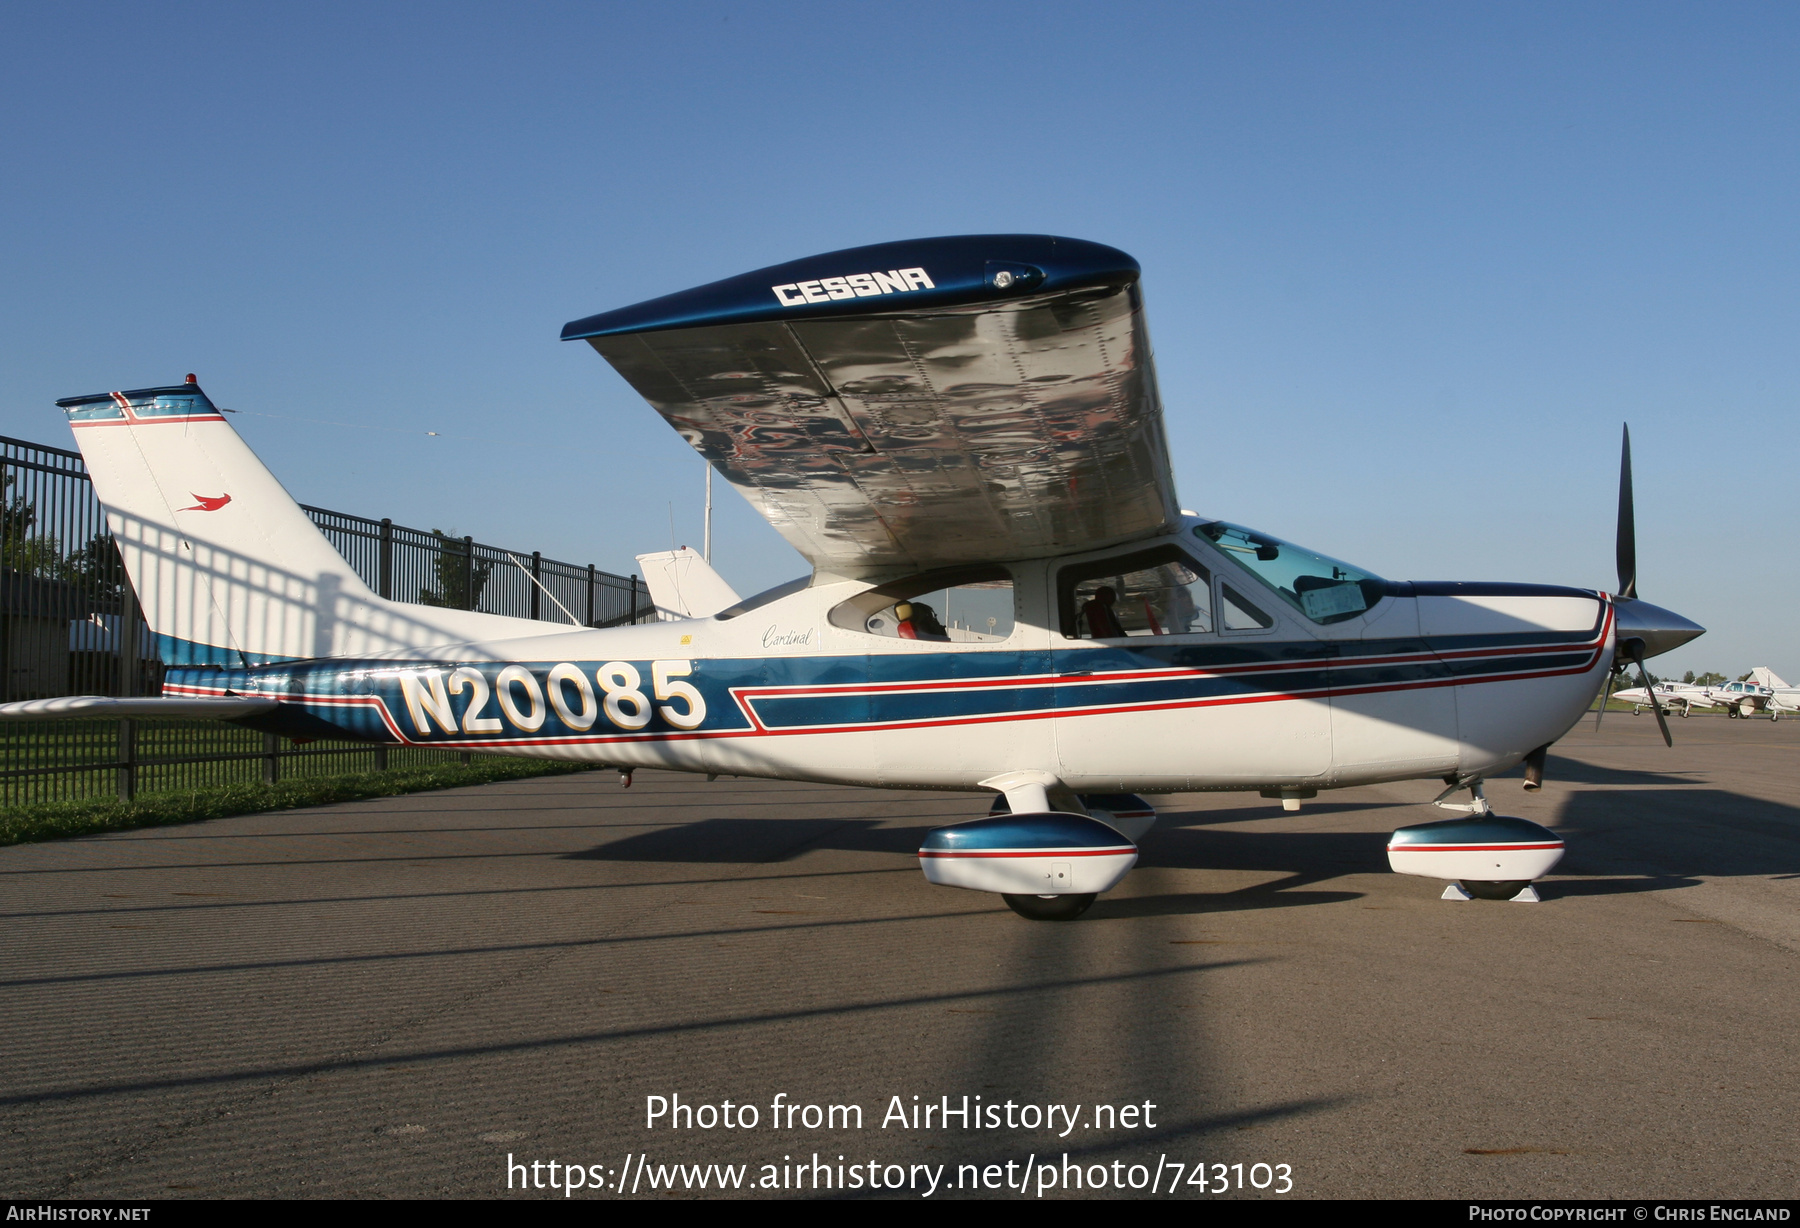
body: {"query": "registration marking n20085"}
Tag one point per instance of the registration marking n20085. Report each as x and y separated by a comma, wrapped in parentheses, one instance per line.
(523, 699)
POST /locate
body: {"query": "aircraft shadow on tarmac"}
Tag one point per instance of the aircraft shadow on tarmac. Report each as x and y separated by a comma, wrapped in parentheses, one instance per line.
(1301, 857)
(1643, 839)
(1573, 771)
(712, 841)
(1675, 837)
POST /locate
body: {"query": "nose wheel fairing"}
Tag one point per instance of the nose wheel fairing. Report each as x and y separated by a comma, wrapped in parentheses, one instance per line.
(1480, 848)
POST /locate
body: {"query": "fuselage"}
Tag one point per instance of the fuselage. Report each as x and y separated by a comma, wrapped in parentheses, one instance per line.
(1318, 689)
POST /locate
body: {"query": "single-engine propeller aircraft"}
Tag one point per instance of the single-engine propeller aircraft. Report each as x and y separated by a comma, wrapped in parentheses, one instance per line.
(964, 439)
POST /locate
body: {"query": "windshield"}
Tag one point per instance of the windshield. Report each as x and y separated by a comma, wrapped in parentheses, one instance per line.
(1322, 588)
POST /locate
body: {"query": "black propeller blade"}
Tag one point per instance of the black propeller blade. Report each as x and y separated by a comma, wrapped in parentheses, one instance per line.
(1626, 547)
(1605, 697)
(1625, 553)
(1634, 648)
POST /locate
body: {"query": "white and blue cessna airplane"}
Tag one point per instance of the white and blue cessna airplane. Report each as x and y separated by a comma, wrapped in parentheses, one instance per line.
(963, 437)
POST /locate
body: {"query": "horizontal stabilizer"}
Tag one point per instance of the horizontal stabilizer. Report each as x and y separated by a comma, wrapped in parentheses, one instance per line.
(102, 707)
(684, 585)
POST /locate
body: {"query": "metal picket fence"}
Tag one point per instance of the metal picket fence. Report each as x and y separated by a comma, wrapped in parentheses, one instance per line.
(70, 625)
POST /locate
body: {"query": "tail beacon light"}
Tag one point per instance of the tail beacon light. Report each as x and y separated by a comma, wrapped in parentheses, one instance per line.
(1493, 857)
(1028, 854)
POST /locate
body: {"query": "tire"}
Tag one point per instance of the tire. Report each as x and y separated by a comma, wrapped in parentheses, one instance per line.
(1049, 907)
(1494, 891)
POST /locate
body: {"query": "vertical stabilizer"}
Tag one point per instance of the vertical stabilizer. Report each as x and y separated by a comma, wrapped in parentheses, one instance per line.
(684, 585)
(228, 569)
(1762, 675)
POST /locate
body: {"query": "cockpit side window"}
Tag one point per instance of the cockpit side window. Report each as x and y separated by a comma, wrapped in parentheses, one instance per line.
(1152, 592)
(1320, 587)
(970, 605)
(1241, 614)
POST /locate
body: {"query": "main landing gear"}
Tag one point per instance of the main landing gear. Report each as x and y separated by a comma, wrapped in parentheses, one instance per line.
(1047, 864)
(1494, 891)
(1050, 907)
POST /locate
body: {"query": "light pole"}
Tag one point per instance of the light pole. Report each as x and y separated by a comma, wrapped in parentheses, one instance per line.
(706, 540)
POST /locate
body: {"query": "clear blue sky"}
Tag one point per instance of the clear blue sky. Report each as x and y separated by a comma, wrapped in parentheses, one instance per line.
(1408, 266)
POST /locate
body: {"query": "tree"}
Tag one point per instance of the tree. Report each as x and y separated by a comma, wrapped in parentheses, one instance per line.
(1687, 679)
(459, 582)
(1709, 679)
(97, 565)
(35, 554)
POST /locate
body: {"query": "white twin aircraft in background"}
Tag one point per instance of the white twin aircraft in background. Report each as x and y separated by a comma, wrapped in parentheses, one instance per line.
(1761, 693)
(964, 439)
(1680, 698)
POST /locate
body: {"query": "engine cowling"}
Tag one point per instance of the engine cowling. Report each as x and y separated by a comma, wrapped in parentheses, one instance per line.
(1052, 853)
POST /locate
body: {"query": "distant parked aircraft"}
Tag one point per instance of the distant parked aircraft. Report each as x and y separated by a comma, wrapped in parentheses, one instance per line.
(1761, 692)
(1782, 697)
(1678, 697)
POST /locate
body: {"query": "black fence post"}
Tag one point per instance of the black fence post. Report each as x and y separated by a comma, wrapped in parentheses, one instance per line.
(271, 758)
(634, 598)
(381, 757)
(127, 760)
(468, 573)
(590, 605)
(386, 566)
(537, 577)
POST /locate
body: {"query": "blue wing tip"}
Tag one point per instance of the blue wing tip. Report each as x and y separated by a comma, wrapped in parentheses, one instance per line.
(913, 274)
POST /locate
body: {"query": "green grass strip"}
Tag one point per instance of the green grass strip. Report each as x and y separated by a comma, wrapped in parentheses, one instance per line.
(60, 820)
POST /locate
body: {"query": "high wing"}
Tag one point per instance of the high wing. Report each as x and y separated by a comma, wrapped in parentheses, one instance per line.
(918, 404)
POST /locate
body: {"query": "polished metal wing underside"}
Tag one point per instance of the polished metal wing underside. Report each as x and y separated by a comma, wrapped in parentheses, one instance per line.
(965, 433)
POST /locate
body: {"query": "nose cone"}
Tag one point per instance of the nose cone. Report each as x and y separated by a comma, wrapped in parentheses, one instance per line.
(1661, 630)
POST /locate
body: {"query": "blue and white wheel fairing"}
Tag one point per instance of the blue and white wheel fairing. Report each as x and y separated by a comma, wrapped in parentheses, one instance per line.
(1028, 854)
(1487, 848)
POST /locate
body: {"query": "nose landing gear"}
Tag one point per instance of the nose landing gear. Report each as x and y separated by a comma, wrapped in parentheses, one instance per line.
(1050, 907)
(1488, 856)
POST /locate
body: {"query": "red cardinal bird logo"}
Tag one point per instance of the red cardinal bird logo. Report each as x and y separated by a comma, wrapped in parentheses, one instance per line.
(206, 504)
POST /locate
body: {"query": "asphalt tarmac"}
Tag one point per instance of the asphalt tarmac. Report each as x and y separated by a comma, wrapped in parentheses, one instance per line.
(389, 998)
